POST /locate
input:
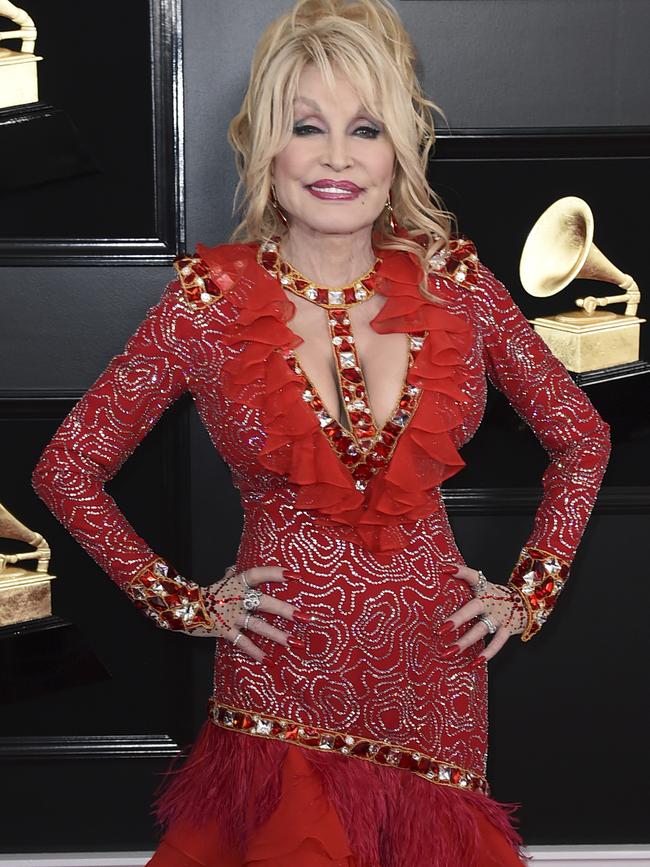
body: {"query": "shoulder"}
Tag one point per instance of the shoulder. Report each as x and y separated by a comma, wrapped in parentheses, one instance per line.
(210, 273)
(460, 261)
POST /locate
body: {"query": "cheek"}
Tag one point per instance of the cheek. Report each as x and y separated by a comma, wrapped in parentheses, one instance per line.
(290, 162)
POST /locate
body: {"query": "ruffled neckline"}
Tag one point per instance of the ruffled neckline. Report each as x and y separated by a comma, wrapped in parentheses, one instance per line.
(405, 490)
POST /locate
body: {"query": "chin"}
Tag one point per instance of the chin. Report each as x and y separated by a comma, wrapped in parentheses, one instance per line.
(339, 224)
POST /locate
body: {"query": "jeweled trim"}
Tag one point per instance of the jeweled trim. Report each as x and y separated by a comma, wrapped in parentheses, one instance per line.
(539, 576)
(458, 260)
(268, 256)
(199, 290)
(364, 448)
(170, 600)
(379, 752)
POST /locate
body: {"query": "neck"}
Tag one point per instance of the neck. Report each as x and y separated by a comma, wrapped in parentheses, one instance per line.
(329, 260)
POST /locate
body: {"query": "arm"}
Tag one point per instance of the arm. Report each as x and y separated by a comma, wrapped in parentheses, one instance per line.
(576, 438)
(96, 438)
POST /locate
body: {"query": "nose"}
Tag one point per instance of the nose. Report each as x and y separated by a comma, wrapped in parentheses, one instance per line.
(336, 153)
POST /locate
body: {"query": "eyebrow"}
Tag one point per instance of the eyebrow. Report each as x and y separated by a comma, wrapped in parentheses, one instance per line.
(360, 109)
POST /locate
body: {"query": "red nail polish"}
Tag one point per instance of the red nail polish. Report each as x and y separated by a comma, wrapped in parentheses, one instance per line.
(292, 641)
(301, 617)
(477, 662)
(447, 626)
(450, 651)
(446, 640)
(288, 575)
(449, 569)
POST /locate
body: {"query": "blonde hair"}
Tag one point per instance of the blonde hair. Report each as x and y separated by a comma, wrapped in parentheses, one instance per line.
(366, 41)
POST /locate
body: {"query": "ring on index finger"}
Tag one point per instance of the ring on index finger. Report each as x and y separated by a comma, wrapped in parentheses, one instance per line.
(243, 578)
(252, 599)
(480, 586)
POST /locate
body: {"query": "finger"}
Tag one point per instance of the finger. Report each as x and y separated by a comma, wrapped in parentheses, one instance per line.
(469, 610)
(478, 631)
(244, 644)
(467, 574)
(271, 605)
(257, 575)
(263, 627)
(498, 640)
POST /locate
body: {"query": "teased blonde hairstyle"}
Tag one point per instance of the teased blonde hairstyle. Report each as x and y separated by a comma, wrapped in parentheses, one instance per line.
(366, 41)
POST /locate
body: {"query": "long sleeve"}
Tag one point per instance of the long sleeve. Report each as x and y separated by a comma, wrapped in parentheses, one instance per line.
(96, 438)
(576, 438)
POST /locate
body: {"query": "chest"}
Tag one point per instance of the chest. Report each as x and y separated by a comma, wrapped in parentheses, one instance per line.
(340, 349)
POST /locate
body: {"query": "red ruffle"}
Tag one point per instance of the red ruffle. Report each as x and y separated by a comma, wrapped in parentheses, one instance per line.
(425, 455)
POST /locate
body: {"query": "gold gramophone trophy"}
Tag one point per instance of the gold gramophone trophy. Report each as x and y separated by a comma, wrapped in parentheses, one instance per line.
(559, 249)
(24, 593)
(18, 78)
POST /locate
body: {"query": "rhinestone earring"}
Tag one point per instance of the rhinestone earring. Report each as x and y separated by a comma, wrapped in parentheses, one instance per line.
(276, 207)
(391, 215)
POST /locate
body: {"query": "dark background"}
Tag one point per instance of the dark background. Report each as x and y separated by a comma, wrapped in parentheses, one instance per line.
(103, 85)
(543, 99)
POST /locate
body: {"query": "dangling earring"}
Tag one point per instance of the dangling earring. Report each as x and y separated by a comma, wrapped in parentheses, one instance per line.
(391, 215)
(276, 206)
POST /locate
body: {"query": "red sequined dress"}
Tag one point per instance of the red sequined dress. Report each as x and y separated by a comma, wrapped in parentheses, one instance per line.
(396, 732)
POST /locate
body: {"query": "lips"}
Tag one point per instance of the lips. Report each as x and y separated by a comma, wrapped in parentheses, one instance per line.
(327, 185)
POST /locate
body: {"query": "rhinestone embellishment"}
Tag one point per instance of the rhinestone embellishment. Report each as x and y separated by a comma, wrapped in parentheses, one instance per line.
(539, 576)
(199, 290)
(268, 256)
(378, 752)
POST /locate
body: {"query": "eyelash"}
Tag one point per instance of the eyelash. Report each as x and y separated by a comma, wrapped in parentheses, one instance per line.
(300, 130)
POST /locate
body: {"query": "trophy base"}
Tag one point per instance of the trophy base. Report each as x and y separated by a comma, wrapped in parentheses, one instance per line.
(40, 144)
(609, 374)
(44, 655)
(591, 345)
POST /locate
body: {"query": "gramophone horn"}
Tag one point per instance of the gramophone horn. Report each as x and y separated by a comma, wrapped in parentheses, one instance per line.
(559, 248)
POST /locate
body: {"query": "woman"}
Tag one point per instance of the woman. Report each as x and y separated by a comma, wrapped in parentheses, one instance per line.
(348, 720)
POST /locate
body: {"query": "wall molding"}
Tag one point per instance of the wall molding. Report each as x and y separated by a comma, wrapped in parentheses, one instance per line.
(46, 747)
(559, 856)
(543, 143)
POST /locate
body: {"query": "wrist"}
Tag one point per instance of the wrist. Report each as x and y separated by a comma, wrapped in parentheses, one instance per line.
(168, 598)
(538, 577)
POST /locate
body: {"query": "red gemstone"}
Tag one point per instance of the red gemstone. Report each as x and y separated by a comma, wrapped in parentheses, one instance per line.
(291, 733)
(344, 346)
(341, 330)
(322, 296)
(382, 449)
(339, 315)
(363, 471)
(456, 775)
(268, 260)
(351, 375)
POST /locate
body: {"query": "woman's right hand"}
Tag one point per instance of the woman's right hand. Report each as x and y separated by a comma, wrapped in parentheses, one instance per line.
(224, 602)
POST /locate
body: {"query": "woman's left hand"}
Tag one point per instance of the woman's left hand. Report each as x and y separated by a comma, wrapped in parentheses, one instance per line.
(502, 605)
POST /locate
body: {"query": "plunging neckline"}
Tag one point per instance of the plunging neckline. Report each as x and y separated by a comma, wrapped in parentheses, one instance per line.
(365, 447)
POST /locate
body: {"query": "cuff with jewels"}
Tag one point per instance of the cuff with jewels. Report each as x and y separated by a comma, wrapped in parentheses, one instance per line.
(170, 600)
(539, 577)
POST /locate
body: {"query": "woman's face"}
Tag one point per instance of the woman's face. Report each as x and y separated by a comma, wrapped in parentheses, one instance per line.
(335, 174)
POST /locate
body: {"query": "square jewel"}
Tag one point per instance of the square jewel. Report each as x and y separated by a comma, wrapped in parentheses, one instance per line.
(336, 296)
(347, 359)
